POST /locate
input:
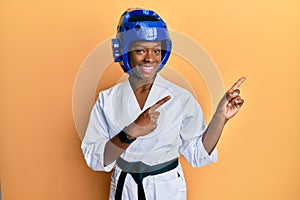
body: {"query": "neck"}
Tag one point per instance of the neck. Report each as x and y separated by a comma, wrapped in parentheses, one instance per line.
(140, 84)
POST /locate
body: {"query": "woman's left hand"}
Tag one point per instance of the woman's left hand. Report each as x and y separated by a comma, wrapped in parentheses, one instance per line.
(231, 102)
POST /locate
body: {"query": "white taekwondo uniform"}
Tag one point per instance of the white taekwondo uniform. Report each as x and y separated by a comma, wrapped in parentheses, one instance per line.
(179, 132)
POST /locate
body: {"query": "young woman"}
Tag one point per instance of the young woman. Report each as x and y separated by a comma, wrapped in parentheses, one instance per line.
(140, 127)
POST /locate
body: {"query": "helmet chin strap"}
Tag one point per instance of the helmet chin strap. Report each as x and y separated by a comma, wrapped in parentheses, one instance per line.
(134, 74)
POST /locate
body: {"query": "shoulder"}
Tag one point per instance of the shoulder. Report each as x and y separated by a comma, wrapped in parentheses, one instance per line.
(180, 92)
(118, 89)
(183, 99)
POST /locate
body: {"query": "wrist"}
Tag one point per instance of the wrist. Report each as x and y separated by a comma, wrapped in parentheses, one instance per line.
(125, 137)
(130, 137)
(129, 130)
(220, 117)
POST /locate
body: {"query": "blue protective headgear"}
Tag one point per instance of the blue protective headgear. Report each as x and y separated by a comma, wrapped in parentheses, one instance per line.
(149, 27)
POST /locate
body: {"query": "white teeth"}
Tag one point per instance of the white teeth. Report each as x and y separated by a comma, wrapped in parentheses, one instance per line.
(148, 67)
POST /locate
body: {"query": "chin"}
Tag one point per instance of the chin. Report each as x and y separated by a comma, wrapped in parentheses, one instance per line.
(148, 77)
(145, 76)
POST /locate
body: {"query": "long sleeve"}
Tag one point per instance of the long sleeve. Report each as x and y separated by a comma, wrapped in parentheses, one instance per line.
(193, 127)
(95, 139)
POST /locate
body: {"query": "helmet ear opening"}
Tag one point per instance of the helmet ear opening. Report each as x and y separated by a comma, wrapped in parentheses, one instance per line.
(116, 50)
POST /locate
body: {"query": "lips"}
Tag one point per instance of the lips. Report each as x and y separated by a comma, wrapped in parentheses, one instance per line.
(147, 69)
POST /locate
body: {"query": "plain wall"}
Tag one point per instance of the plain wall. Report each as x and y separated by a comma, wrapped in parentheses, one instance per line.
(43, 44)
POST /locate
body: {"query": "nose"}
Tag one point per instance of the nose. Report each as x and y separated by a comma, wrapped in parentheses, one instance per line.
(149, 57)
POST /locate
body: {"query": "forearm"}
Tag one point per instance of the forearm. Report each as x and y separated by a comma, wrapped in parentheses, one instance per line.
(213, 132)
(114, 148)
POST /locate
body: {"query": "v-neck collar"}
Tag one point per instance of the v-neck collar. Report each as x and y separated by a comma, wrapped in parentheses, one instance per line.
(149, 97)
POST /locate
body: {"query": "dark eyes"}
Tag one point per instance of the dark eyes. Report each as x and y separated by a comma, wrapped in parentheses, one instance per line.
(157, 51)
(141, 51)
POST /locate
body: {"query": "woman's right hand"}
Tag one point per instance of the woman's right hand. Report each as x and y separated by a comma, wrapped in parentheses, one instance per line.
(146, 121)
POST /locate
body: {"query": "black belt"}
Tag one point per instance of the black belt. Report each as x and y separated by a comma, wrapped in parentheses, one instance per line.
(139, 171)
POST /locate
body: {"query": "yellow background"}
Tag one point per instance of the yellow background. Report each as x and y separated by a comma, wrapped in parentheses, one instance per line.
(43, 43)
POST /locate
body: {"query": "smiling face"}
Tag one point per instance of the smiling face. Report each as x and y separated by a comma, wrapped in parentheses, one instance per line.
(145, 58)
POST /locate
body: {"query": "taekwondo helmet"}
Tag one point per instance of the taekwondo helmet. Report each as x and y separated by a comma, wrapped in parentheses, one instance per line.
(140, 24)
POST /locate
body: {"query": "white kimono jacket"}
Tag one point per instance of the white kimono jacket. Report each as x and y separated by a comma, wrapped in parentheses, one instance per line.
(179, 132)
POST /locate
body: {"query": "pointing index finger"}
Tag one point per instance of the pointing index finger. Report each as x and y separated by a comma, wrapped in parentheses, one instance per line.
(238, 83)
(160, 103)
